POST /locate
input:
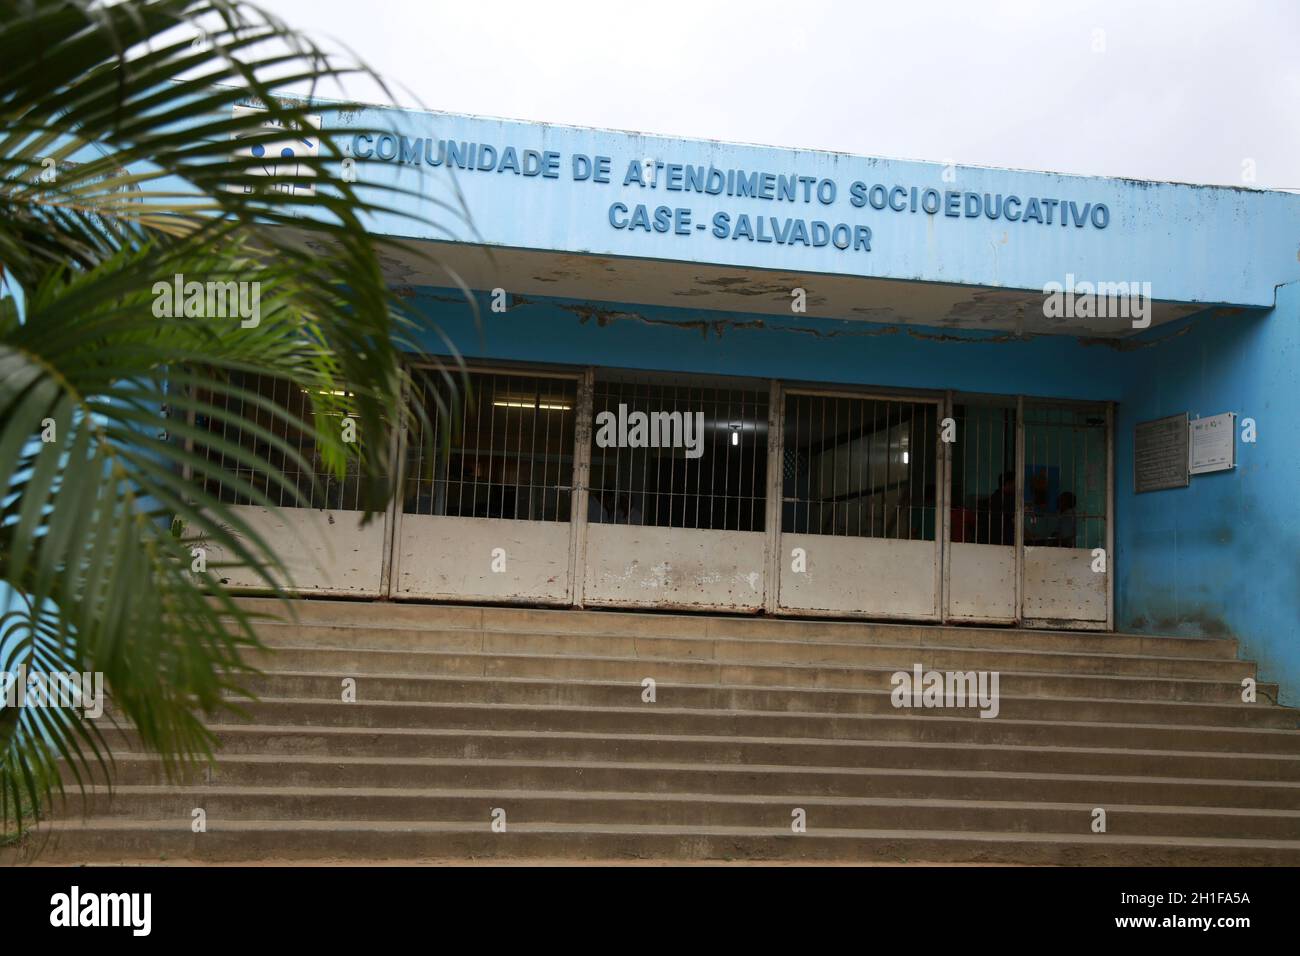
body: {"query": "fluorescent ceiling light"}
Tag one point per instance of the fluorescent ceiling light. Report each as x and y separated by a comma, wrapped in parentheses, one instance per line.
(544, 407)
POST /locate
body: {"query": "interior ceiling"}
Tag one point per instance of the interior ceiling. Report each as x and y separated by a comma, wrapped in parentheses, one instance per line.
(589, 278)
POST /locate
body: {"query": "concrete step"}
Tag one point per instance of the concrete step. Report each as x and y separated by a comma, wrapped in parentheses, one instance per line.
(550, 774)
(342, 643)
(543, 691)
(933, 726)
(288, 664)
(460, 710)
(373, 618)
(402, 743)
(225, 804)
(107, 838)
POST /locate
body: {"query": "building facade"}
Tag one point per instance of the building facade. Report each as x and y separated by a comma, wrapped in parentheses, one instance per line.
(724, 377)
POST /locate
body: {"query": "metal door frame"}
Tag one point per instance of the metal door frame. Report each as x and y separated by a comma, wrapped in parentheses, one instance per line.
(586, 417)
(581, 485)
(778, 392)
(1108, 408)
(951, 400)
(257, 513)
(776, 450)
(392, 566)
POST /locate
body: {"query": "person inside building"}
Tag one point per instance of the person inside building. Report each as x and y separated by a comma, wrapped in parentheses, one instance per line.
(964, 519)
(1065, 520)
(626, 511)
(1001, 508)
(597, 513)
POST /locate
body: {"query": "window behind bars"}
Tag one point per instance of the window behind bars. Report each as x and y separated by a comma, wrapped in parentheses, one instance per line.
(678, 455)
(236, 421)
(502, 448)
(859, 467)
(1066, 473)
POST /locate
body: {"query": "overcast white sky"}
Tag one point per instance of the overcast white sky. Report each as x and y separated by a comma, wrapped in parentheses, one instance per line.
(1186, 90)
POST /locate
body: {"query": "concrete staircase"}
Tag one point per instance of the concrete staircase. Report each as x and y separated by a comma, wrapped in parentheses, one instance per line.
(462, 712)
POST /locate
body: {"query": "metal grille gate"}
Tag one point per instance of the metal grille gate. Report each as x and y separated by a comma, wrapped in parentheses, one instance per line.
(488, 493)
(318, 531)
(676, 510)
(1066, 503)
(982, 570)
(859, 505)
(639, 490)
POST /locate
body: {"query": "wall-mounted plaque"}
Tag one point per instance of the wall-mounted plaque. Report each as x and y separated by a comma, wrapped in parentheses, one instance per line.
(1214, 446)
(1160, 454)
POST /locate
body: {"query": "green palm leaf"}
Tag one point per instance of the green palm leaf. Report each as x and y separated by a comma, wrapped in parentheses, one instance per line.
(117, 172)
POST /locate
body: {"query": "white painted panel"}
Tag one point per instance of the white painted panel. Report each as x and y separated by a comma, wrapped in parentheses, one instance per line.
(452, 558)
(674, 567)
(323, 551)
(878, 577)
(1061, 585)
(982, 582)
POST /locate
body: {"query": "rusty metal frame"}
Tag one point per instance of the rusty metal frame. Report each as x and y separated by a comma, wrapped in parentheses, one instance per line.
(1108, 408)
(581, 486)
(929, 397)
(393, 564)
(1020, 510)
(775, 479)
(991, 399)
(778, 390)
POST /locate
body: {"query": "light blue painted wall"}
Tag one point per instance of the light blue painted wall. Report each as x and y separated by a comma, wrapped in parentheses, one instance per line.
(1222, 555)
(849, 352)
(1192, 243)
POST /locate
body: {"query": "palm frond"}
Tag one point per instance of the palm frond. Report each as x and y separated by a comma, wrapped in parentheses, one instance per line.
(119, 173)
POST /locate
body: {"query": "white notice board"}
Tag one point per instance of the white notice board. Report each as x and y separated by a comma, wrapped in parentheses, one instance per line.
(1212, 443)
